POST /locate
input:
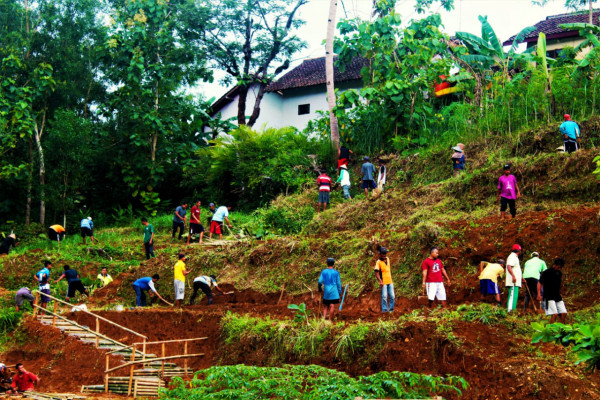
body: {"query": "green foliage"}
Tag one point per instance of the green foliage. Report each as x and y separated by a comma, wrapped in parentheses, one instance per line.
(308, 382)
(301, 313)
(482, 313)
(9, 320)
(585, 339)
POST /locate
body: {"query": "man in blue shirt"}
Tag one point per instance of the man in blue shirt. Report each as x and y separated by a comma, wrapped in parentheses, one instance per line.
(221, 214)
(571, 134)
(87, 229)
(331, 286)
(75, 283)
(143, 285)
(179, 220)
(368, 176)
(43, 279)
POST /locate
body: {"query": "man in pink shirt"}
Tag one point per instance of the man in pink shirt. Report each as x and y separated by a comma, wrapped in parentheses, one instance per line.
(508, 192)
(24, 380)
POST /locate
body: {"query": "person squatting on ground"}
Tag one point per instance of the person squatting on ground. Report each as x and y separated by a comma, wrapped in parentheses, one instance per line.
(330, 284)
(23, 381)
(143, 285)
(344, 181)
(383, 273)
(324, 185)
(56, 233)
(532, 270)
(433, 277)
(368, 176)
(508, 192)
(179, 220)
(104, 277)
(75, 283)
(23, 294)
(179, 282)
(222, 214)
(87, 229)
(458, 159)
(514, 277)
(488, 279)
(148, 238)
(5, 378)
(206, 284)
(571, 134)
(43, 279)
(7, 243)
(550, 282)
(195, 224)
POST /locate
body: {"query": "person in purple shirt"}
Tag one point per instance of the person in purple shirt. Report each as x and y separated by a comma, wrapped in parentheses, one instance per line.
(508, 192)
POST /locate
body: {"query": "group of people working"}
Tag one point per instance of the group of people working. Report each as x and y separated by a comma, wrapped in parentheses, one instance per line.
(19, 382)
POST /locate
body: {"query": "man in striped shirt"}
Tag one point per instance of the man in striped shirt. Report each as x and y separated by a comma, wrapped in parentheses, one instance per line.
(324, 184)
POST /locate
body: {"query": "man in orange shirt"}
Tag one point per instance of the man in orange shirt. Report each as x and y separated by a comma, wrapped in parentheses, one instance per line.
(383, 273)
(24, 380)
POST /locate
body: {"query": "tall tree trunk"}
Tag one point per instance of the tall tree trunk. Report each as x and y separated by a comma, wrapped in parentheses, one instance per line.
(29, 186)
(242, 97)
(330, 78)
(39, 131)
(256, 110)
(591, 12)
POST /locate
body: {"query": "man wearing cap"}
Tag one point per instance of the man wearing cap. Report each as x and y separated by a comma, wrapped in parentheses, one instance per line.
(222, 214)
(571, 134)
(508, 192)
(368, 176)
(344, 181)
(514, 277)
(179, 281)
(330, 284)
(87, 229)
(206, 284)
(433, 277)
(7, 243)
(488, 279)
(532, 270)
(458, 158)
(324, 185)
(383, 273)
(195, 224)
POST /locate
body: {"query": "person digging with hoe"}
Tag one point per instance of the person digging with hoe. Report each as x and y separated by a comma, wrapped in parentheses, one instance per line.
(331, 286)
(75, 284)
(206, 284)
(488, 279)
(23, 381)
(146, 284)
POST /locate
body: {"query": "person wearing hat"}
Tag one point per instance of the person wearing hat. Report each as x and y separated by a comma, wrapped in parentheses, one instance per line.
(532, 270)
(571, 134)
(56, 233)
(324, 186)
(458, 158)
(206, 284)
(179, 279)
(383, 273)
(514, 277)
(508, 192)
(368, 176)
(7, 243)
(330, 284)
(344, 181)
(488, 278)
(87, 229)
(433, 277)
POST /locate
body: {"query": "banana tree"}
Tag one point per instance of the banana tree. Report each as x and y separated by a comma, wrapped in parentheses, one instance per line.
(591, 33)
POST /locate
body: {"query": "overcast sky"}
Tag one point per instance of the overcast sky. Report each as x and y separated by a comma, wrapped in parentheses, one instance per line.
(507, 17)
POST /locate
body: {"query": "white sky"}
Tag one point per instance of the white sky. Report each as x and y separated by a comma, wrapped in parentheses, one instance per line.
(507, 17)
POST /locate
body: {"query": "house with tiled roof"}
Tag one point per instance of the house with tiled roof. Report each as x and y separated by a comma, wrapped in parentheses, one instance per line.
(558, 38)
(294, 98)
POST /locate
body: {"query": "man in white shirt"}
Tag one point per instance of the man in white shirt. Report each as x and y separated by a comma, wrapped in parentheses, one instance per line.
(514, 277)
(206, 284)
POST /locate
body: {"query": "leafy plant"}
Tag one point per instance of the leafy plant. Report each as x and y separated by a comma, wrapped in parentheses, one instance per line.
(301, 313)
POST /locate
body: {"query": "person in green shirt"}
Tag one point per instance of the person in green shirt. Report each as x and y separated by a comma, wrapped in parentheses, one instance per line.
(531, 273)
(148, 238)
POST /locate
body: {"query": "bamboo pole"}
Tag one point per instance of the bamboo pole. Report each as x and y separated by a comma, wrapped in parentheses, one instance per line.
(173, 341)
(97, 331)
(155, 359)
(143, 350)
(54, 318)
(132, 358)
(106, 374)
(35, 304)
(162, 367)
(185, 351)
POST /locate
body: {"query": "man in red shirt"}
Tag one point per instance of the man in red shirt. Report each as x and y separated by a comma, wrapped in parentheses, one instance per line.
(195, 225)
(324, 184)
(433, 277)
(24, 380)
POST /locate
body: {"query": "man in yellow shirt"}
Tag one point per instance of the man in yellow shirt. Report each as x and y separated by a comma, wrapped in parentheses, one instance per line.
(180, 273)
(104, 277)
(383, 273)
(488, 278)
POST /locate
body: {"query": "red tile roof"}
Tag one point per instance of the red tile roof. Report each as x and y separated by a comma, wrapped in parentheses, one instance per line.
(550, 26)
(312, 72)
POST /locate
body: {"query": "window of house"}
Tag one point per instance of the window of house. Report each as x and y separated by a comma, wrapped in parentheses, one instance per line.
(303, 109)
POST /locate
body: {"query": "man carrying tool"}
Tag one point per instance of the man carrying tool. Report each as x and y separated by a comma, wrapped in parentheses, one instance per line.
(179, 220)
(143, 285)
(221, 214)
(206, 284)
(179, 281)
(550, 282)
(514, 277)
(23, 381)
(43, 279)
(571, 134)
(433, 277)
(148, 238)
(383, 273)
(195, 224)
(532, 270)
(488, 279)
(330, 284)
(75, 283)
(87, 229)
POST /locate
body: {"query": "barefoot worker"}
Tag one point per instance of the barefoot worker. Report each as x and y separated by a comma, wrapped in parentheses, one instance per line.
(206, 284)
(488, 278)
(433, 277)
(330, 284)
(143, 285)
(23, 294)
(23, 381)
(551, 281)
